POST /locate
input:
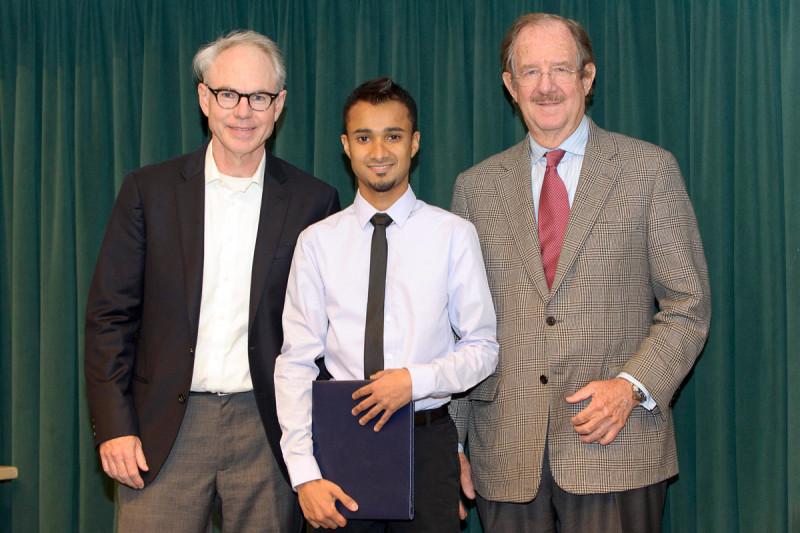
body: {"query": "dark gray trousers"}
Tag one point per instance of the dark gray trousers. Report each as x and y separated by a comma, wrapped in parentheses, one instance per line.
(220, 458)
(555, 510)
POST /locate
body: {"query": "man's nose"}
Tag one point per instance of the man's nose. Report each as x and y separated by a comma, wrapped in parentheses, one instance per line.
(243, 109)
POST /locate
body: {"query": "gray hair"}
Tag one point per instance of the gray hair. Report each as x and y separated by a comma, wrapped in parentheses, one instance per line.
(584, 45)
(206, 55)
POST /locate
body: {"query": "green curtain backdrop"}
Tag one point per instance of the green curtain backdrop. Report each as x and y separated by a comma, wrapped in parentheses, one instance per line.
(91, 89)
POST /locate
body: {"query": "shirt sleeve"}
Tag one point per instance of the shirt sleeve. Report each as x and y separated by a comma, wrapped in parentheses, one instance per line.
(305, 324)
(472, 317)
(649, 403)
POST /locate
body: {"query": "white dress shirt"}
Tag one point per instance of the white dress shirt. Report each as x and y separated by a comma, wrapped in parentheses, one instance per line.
(435, 285)
(232, 211)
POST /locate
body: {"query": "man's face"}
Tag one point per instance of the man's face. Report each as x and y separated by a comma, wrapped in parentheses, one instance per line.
(239, 134)
(380, 145)
(552, 110)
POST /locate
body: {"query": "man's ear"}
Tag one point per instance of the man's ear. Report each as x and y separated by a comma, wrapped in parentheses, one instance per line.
(279, 102)
(346, 144)
(508, 80)
(589, 73)
(414, 143)
(202, 96)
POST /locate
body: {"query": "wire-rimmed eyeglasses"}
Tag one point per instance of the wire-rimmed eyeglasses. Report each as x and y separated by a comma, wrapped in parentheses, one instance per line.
(557, 75)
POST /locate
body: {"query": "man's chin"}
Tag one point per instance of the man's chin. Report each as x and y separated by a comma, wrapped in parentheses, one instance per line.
(383, 186)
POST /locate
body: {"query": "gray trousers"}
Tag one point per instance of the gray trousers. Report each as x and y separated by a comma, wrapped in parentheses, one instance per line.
(221, 458)
(555, 510)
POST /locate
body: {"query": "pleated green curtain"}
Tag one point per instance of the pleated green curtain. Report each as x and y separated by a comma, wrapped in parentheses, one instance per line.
(90, 90)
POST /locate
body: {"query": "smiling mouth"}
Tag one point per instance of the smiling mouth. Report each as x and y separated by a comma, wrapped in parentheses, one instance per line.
(381, 167)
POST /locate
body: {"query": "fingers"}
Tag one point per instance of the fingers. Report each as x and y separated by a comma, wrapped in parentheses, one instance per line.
(466, 477)
(318, 502)
(372, 413)
(141, 462)
(130, 473)
(582, 394)
(363, 405)
(466, 484)
(365, 390)
(387, 414)
(389, 391)
(346, 500)
(121, 458)
(605, 416)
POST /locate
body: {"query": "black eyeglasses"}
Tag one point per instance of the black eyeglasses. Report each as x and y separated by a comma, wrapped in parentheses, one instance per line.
(228, 98)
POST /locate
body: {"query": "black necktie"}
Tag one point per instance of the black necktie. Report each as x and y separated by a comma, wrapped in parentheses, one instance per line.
(373, 333)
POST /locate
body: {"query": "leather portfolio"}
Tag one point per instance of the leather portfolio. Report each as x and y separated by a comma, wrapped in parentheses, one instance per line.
(376, 469)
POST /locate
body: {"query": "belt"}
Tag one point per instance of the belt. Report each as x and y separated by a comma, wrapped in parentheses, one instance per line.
(430, 415)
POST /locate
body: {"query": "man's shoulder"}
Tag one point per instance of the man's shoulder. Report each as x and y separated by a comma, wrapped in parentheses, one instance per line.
(172, 166)
(293, 176)
(625, 146)
(330, 224)
(437, 218)
(497, 164)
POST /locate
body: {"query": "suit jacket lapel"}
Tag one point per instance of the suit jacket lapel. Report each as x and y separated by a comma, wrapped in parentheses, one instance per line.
(599, 172)
(190, 202)
(274, 202)
(514, 188)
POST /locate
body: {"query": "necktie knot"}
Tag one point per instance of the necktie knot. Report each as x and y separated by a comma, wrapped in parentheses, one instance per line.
(381, 219)
(554, 157)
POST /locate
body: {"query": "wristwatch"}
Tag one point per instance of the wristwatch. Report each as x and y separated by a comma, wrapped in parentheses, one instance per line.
(638, 393)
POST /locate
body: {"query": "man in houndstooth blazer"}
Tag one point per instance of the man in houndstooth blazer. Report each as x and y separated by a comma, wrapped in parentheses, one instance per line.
(574, 429)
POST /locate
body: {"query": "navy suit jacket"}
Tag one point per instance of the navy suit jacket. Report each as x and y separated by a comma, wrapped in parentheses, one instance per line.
(144, 300)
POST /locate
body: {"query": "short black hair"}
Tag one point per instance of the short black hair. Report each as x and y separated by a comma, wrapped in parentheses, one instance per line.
(380, 91)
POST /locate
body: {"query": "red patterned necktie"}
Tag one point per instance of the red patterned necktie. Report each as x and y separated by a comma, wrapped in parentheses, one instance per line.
(553, 215)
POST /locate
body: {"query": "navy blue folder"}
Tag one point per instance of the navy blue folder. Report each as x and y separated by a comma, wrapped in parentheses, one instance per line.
(376, 469)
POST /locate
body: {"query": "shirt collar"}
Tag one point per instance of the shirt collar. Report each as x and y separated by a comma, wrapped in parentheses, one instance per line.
(575, 144)
(399, 211)
(213, 173)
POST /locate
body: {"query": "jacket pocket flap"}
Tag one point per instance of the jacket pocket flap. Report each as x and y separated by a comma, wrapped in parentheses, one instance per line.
(486, 391)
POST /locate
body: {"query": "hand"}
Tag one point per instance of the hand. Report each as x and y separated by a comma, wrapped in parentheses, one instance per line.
(318, 502)
(122, 459)
(466, 484)
(389, 391)
(605, 416)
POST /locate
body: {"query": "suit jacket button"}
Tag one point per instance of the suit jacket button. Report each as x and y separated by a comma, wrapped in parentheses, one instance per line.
(550, 321)
(191, 351)
(543, 379)
(181, 398)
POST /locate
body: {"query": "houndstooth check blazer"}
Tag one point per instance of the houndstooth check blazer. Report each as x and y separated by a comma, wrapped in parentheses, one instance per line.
(630, 294)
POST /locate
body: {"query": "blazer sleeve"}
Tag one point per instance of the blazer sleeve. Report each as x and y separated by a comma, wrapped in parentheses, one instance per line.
(679, 278)
(113, 315)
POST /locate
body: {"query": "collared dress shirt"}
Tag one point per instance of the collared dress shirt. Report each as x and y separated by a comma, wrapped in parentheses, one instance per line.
(569, 169)
(436, 286)
(232, 211)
